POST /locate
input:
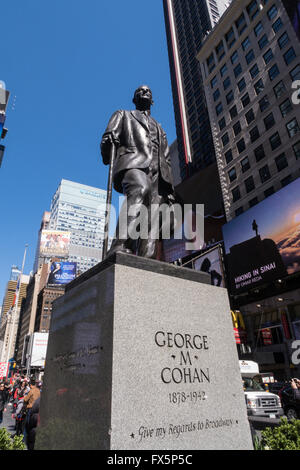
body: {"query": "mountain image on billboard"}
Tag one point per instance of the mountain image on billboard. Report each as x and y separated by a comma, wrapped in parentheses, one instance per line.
(263, 244)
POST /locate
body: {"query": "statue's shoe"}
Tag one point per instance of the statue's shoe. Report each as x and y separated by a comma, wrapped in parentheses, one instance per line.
(119, 250)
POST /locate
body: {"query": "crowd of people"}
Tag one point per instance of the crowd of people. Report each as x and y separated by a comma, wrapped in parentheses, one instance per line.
(21, 396)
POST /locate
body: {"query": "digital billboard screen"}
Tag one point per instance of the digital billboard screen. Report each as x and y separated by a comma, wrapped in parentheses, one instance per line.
(62, 273)
(293, 10)
(55, 243)
(263, 244)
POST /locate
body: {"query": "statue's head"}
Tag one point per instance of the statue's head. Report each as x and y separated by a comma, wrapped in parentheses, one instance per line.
(143, 98)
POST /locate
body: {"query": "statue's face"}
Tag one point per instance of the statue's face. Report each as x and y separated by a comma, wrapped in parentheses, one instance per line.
(143, 96)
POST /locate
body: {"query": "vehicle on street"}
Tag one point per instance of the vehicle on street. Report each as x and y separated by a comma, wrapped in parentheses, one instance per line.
(290, 405)
(260, 403)
(275, 387)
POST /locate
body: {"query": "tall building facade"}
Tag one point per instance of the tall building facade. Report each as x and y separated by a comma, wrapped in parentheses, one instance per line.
(80, 210)
(251, 70)
(39, 259)
(4, 96)
(29, 307)
(10, 317)
(187, 23)
(44, 307)
(14, 273)
(250, 63)
(10, 293)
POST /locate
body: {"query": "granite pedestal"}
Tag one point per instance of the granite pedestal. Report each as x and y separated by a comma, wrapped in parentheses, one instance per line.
(141, 355)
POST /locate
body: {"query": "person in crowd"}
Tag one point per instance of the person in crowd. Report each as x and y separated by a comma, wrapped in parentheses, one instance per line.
(32, 424)
(25, 386)
(32, 395)
(295, 384)
(29, 400)
(10, 391)
(16, 392)
(39, 385)
(6, 388)
(19, 414)
(3, 399)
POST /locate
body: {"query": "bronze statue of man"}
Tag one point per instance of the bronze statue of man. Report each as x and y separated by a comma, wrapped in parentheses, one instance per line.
(142, 169)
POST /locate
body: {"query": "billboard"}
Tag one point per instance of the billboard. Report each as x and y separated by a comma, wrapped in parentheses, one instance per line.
(210, 262)
(38, 349)
(263, 244)
(293, 10)
(55, 243)
(62, 273)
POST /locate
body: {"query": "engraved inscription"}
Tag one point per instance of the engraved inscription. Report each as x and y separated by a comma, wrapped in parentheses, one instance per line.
(186, 349)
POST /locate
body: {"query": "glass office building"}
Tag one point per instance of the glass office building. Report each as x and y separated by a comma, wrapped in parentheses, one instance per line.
(80, 210)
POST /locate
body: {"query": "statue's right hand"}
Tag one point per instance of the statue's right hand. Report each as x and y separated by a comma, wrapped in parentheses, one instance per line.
(106, 144)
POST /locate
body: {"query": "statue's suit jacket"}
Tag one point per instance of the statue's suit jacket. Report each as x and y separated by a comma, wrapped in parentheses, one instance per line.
(130, 131)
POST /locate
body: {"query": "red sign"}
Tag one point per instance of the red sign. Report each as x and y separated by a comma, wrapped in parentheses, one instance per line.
(4, 369)
(267, 336)
(240, 335)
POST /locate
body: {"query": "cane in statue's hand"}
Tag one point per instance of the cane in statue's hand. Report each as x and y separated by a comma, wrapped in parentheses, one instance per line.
(108, 144)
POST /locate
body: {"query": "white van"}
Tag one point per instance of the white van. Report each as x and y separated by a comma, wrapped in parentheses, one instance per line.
(260, 403)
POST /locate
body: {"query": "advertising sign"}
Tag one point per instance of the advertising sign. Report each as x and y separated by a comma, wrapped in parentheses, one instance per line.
(39, 349)
(239, 328)
(263, 244)
(4, 369)
(55, 243)
(210, 262)
(62, 273)
(267, 336)
(293, 10)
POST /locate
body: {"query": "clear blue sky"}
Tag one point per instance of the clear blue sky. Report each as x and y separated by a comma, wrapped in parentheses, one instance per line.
(70, 64)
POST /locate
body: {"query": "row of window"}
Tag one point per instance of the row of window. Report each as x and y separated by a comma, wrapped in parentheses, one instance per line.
(241, 25)
(254, 71)
(279, 90)
(280, 161)
(269, 121)
(250, 185)
(274, 141)
(220, 51)
(259, 86)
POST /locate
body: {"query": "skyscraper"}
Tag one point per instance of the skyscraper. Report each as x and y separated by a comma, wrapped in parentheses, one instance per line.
(10, 293)
(10, 319)
(80, 210)
(187, 23)
(249, 90)
(39, 260)
(14, 273)
(4, 96)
